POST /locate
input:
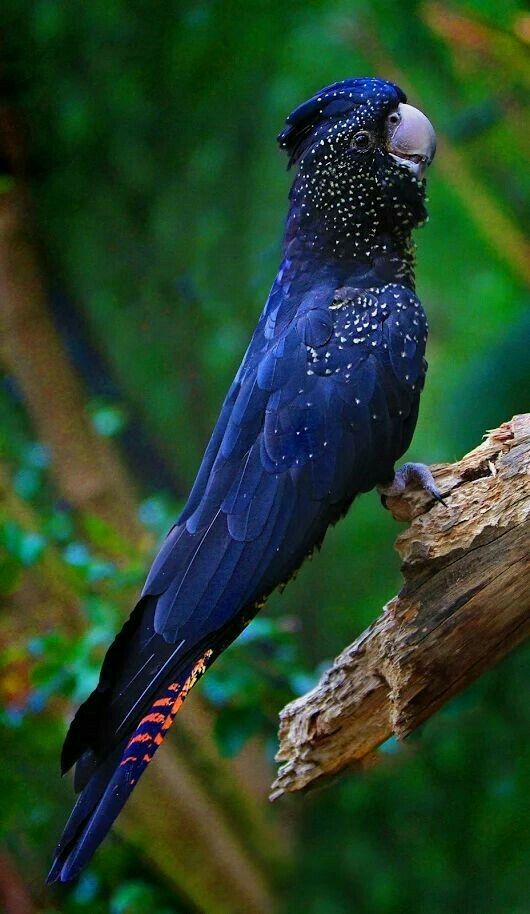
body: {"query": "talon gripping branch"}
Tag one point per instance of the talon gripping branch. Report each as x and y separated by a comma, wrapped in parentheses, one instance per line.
(324, 403)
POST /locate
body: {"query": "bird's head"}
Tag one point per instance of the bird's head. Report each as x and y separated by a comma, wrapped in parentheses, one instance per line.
(361, 153)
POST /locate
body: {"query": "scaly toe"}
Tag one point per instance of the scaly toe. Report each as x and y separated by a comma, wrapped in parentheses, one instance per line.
(418, 473)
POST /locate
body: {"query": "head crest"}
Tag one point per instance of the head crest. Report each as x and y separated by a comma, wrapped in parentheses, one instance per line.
(331, 102)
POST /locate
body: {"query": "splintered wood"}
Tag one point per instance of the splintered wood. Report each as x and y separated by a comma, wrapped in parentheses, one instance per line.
(465, 603)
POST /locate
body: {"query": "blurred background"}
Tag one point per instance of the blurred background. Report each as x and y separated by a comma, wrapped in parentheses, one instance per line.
(141, 205)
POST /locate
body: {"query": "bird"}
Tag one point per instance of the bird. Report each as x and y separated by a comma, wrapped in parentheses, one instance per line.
(324, 404)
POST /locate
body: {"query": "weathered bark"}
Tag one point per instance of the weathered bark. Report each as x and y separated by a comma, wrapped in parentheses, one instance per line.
(465, 604)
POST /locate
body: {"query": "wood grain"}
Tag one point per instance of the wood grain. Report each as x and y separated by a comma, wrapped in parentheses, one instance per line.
(464, 604)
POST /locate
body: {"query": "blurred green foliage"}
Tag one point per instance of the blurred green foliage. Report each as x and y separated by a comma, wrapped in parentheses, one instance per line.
(158, 199)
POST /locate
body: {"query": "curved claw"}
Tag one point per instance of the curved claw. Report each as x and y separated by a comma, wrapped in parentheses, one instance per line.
(418, 473)
(438, 496)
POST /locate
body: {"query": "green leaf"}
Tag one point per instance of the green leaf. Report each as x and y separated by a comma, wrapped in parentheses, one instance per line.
(31, 548)
(233, 727)
(133, 898)
(27, 482)
(107, 418)
(10, 573)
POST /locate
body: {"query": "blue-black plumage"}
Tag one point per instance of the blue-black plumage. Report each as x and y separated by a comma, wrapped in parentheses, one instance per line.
(323, 405)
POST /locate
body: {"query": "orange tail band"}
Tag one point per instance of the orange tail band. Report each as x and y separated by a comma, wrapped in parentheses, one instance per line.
(152, 729)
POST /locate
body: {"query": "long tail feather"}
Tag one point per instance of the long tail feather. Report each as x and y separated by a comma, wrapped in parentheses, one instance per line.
(115, 778)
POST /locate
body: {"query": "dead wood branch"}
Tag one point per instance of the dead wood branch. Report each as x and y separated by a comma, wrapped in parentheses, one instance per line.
(465, 603)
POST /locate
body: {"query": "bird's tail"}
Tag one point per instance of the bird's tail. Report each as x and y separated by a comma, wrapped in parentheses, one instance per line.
(114, 778)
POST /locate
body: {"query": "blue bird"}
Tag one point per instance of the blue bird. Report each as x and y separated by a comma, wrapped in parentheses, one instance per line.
(323, 405)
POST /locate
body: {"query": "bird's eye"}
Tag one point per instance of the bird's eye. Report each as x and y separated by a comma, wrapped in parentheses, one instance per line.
(394, 118)
(362, 141)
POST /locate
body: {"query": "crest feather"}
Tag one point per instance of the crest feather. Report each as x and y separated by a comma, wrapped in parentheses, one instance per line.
(330, 102)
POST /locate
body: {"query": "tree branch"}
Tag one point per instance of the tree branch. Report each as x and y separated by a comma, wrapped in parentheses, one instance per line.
(465, 604)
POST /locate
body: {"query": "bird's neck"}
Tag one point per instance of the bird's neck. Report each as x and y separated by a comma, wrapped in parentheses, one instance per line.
(342, 228)
(385, 256)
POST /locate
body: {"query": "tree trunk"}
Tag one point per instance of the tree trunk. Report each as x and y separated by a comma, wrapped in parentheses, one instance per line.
(14, 897)
(465, 603)
(87, 470)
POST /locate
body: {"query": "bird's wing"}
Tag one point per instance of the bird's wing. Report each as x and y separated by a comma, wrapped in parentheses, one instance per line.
(318, 412)
(322, 410)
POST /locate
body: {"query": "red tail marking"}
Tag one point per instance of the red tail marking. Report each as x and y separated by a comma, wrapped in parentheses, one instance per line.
(153, 719)
(139, 738)
(163, 721)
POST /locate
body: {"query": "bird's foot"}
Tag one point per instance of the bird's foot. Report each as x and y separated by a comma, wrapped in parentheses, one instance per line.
(417, 473)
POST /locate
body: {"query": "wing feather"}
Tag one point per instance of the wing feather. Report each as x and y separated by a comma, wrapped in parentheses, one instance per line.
(319, 411)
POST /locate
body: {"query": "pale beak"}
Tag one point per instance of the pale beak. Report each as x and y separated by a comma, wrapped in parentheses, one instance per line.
(411, 139)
